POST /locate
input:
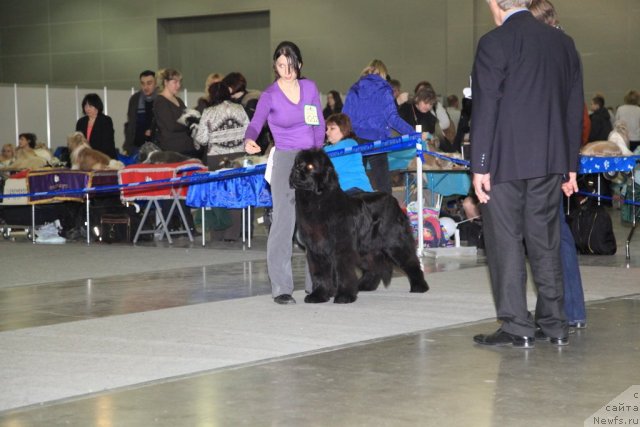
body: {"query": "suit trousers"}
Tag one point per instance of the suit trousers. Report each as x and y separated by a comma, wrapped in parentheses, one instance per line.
(280, 240)
(519, 213)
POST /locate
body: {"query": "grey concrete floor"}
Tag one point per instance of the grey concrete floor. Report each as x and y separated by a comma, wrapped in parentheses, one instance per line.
(434, 378)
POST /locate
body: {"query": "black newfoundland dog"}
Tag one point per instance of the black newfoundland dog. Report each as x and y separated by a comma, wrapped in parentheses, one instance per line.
(345, 234)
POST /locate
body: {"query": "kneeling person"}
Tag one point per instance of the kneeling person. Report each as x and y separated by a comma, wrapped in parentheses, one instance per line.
(351, 173)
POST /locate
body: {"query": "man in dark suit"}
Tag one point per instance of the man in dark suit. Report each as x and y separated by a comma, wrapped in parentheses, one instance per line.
(525, 136)
(139, 126)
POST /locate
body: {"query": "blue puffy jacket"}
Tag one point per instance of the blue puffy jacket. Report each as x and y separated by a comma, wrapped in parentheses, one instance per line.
(372, 109)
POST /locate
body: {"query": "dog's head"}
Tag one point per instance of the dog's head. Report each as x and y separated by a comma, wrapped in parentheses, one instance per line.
(75, 140)
(313, 171)
(146, 149)
(620, 136)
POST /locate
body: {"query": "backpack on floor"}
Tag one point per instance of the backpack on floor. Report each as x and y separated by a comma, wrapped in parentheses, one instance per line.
(592, 229)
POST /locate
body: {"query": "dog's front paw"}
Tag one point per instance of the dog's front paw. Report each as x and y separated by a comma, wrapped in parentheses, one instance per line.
(344, 299)
(316, 298)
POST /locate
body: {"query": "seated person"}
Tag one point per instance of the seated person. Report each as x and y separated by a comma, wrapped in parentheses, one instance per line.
(26, 158)
(8, 155)
(350, 169)
(30, 154)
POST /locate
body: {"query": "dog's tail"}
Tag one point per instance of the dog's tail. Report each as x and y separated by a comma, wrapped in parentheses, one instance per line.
(386, 271)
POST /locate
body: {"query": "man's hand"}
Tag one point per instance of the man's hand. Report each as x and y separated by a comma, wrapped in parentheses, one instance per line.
(571, 186)
(482, 185)
(251, 147)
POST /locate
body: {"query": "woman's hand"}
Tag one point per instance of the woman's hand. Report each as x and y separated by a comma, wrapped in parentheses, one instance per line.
(251, 147)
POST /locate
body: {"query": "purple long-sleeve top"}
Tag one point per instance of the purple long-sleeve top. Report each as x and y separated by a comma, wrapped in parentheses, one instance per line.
(287, 120)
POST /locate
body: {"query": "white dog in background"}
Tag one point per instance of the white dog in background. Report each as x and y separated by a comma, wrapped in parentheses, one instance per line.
(617, 143)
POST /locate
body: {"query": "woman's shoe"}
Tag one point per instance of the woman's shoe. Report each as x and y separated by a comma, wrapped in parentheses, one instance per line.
(284, 299)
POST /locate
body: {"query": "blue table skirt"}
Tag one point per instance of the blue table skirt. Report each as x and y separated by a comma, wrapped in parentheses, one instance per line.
(253, 190)
(607, 164)
(235, 193)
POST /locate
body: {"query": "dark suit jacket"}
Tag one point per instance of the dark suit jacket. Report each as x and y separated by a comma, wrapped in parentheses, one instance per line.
(527, 101)
(130, 127)
(101, 135)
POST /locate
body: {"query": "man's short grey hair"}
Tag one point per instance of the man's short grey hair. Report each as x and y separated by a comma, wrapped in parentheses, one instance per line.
(510, 4)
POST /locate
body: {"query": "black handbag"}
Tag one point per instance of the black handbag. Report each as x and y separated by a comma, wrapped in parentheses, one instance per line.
(592, 229)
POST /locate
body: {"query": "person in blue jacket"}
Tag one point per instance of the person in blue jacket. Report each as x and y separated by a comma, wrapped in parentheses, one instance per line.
(350, 169)
(372, 109)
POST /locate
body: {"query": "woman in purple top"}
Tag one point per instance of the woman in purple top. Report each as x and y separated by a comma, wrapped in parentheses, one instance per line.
(291, 106)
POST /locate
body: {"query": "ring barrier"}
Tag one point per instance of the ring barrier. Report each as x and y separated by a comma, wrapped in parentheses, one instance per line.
(199, 178)
(376, 147)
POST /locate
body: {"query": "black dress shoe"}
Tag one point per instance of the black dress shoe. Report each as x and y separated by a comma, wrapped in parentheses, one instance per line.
(502, 338)
(578, 325)
(541, 336)
(284, 299)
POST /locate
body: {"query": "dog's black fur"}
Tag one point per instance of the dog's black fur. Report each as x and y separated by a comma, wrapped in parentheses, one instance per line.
(343, 234)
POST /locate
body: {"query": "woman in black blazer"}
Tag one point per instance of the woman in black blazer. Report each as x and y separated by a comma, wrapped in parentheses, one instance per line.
(96, 126)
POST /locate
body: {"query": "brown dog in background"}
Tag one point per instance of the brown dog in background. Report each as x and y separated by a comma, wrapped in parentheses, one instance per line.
(617, 144)
(85, 158)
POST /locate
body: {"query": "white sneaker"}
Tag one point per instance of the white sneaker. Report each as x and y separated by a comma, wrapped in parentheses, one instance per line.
(48, 233)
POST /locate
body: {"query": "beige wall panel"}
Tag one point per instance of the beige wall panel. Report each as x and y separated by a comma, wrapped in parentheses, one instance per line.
(32, 111)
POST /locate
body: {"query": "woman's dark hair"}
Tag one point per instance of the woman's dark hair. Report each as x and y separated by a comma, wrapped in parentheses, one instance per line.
(343, 122)
(426, 95)
(422, 84)
(599, 100)
(30, 137)
(293, 55)
(94, 100)
(218, 92)
(337, 99)
(236, 82)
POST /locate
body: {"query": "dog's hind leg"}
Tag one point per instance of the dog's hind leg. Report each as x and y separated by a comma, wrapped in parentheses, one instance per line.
(407, 260)
(369, 281)
(374, 269)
